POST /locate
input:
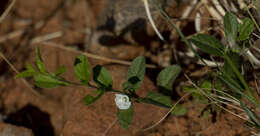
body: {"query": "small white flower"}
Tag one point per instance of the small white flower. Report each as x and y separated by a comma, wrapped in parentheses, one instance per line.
(122, 101)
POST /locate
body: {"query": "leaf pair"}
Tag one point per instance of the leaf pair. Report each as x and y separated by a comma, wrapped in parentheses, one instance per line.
(235, 31)
(136, 72)
(101, 76)
(104, 82)
(42, 78)
(164, 80)
(30, 71)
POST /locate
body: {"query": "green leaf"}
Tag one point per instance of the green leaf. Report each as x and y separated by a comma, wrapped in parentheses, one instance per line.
(190, 89)
(82, 69)
(196, 94)
(135, 74)
(48, 81)
(27, 73)
(206, 113)
(157, 99)
(230, 82)
(250, 114)
(29, 67)
(207, 86)
(167, 76)
(230, 27)
(245, 29)
(130, 85)
(89, 99)
(125, 117)
(137, 68)
(179, 110)
(102, 77)
(60, 70)
(39, 62)
(237, 61)
(208, 44)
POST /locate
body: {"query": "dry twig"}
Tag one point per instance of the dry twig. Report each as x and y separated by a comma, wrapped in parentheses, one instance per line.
(93, 56)
(2, 17)
(164, 117)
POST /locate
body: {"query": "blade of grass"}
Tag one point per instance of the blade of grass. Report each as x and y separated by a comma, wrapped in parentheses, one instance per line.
(241, 78)
(166, 17)
(250, 114)
(252, 17)
(236, 89)
(2, 17)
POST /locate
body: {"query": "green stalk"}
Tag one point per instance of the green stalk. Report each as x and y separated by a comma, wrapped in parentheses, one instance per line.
(165, 15)
(242, 80)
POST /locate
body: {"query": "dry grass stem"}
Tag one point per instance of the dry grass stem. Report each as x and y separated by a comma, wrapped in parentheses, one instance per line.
(93, 56)
(17, 72)
(47, 37)
(215, 100)
(109, 127)
(164, 117)
(3, 16)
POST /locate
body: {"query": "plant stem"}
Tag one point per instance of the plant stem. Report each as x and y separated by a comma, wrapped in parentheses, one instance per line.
(252, 17)
(165, 15)
(116, 91)
(242, 80)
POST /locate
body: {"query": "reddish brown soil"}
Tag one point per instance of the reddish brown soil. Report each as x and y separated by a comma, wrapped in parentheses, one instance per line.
(54, 112)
